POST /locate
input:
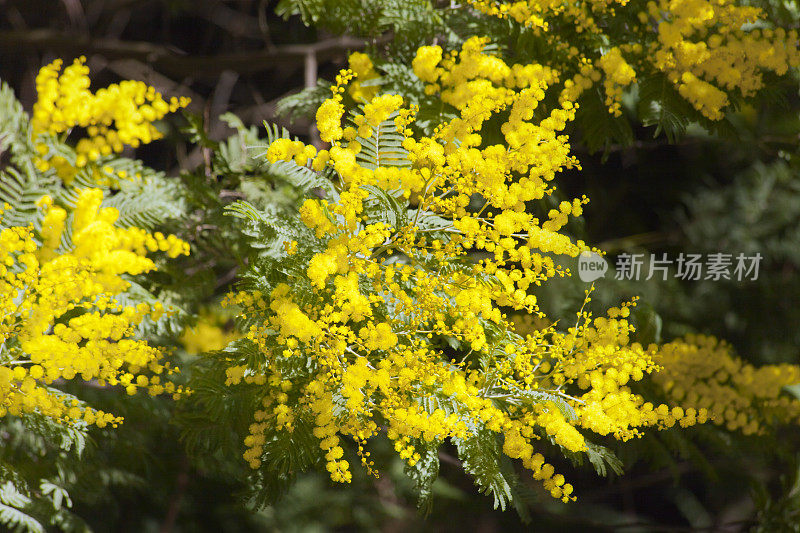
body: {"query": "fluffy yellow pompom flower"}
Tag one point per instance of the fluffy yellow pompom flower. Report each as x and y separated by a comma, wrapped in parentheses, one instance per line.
(704, 48)
(362, 67)
(115, 116)
(59, 307)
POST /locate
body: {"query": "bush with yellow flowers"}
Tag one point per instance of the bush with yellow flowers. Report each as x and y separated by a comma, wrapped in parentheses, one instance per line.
(77, 244)
(385, 312)
(386, 281)
(61, 318)
(114, 117)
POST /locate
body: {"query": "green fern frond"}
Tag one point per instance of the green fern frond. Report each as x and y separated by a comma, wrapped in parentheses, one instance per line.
(600, 457)
(275, 132)
(424, 473)
(411, 20)
(310, 11)
(432, 224)
(304, 103)
(56, 493)
(235, 155)
(222, 412)
(384, 148)
(12, 501)
(301, 178)
(661, 106)
(384, 207)
(285, 454)
(20, 190)
(600, 128)
(168, 323)
(10, 495)
(17, 521)
(399, 78)
(20, 183)
(147, 203)
(15, 129)
(480, 456)
(356, 17)
(69, 438)
(269, 228)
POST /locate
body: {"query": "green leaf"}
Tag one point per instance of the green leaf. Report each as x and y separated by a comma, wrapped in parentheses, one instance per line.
(147, 203)
(600, 456)
(423, 474)
(57, 494)
(11, 515)
(15, 127)
(794, 390)
(269, 228)
(545, 397)
(600, 128)
(480, 457)
(17, 520)
(299, 177)
(660, 105)
(11, 496)
(285, 454)
(384, 148)
(305, 102)
(385, 207)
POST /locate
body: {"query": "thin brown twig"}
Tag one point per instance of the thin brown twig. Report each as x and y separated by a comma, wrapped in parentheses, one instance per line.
(182, 482)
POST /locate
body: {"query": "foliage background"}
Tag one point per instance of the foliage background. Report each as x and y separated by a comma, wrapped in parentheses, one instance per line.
(699, 194)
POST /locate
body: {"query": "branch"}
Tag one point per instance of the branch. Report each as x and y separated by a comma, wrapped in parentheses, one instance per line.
(174, 62)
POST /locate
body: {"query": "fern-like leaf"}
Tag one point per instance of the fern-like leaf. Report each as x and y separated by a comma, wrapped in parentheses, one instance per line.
(148, 203)
(423, 474)
(480, 456)
(12, 501)
(601, 128)
(305, 102)
(300, 177)
(600, 457)
(661, 106)
(15, 130)
(384, 148)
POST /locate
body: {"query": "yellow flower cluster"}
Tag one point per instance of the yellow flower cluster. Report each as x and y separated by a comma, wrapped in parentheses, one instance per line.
(329, 114)
(60, 315)
(368, 328)
(701, 373)
(284, 149)
(463, 75)
(376, 297)
(618, 75)
(115, 116)
(527, 13)
(701, 46)
(381, 293)
(361, 64)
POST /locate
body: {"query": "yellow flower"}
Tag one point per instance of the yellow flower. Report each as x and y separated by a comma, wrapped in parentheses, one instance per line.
(115, 116)
(364, 70)
(41, 286)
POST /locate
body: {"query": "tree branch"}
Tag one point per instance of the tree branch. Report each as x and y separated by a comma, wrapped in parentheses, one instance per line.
(174, 62)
